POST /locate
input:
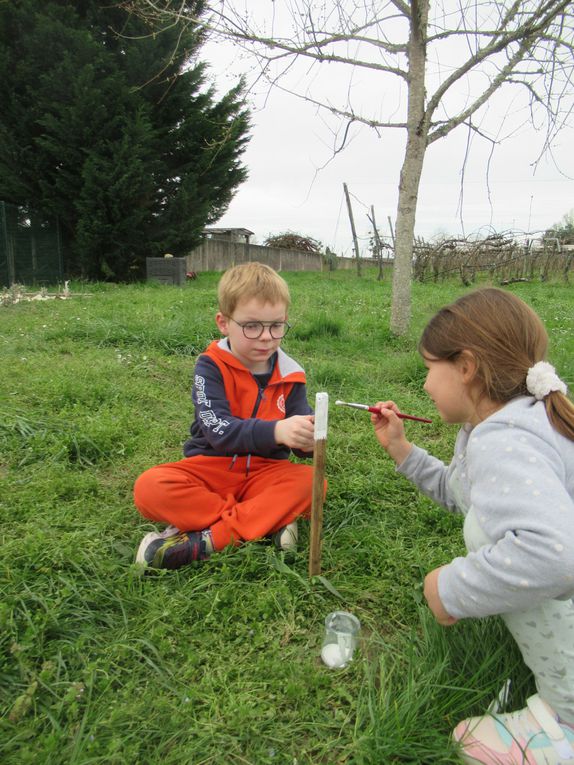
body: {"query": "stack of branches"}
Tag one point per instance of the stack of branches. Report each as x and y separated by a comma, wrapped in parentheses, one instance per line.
(501, 256)
(289, 240)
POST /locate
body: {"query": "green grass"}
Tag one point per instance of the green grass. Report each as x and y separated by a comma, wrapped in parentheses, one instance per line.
(219, 664)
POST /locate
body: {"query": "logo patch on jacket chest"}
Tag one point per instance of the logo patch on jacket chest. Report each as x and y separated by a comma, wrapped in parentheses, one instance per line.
(281, 403)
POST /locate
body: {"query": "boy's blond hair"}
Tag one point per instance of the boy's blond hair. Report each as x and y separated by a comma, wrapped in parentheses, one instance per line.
(251, 280)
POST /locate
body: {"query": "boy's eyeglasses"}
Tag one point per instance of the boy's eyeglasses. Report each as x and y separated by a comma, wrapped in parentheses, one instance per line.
(254, 329)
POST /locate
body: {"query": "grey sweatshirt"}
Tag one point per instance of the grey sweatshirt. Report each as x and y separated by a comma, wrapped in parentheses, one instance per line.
(515, 474)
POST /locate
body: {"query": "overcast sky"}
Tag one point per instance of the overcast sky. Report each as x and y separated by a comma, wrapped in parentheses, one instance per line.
(295, 183)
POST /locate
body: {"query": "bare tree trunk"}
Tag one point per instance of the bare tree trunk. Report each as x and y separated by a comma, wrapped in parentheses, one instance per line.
(405, 230)
(411, 171)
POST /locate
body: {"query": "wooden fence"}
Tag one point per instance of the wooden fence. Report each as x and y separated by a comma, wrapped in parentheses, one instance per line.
(499, 256)
(218, 255)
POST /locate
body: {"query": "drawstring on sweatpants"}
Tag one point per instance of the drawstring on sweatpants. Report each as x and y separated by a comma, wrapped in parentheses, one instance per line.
(247, 464)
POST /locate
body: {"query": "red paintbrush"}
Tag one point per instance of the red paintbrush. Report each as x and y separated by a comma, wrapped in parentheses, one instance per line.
(376, 411)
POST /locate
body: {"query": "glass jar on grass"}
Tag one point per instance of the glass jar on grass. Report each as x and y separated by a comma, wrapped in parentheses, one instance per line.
(341, 636)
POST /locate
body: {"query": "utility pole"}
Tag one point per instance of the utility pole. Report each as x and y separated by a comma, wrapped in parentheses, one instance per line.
(355, 242)
(378, 244)
(392, 232)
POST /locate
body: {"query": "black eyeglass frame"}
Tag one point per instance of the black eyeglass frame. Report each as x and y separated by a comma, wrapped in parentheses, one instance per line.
(262, 324)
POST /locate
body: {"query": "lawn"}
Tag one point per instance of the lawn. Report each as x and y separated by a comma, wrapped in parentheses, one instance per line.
(219, 664)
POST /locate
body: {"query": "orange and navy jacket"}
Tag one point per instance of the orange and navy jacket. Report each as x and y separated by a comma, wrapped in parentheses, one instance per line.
(236, 411)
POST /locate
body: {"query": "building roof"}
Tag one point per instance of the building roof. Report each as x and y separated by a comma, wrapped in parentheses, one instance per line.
(217, 230)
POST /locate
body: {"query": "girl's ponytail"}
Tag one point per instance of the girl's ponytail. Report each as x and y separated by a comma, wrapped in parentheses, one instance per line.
(560, 411)
(543, 383)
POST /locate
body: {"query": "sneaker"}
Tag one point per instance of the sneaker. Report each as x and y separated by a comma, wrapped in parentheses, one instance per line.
(169, 531)
(286, 538)
(176, 550)
(532, 736)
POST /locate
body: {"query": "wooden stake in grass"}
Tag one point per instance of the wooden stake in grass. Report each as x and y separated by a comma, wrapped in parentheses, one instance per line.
(319, 452)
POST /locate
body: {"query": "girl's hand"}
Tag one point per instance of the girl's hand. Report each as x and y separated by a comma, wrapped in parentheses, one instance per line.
(390, 431)
(296, 432)
(433, 599)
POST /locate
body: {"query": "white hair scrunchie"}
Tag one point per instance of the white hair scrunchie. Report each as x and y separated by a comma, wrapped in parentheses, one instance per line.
(542, 380)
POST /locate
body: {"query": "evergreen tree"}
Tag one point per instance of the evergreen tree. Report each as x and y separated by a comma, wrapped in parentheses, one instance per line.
(109, 124)
(563, 231)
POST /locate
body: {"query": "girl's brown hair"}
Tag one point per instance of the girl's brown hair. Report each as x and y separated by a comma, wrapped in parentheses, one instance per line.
(506, 338)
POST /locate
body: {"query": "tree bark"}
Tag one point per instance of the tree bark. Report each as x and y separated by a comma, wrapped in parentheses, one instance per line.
(411, 171)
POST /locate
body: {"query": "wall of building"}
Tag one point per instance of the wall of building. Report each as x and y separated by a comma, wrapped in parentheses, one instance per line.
(218, 255)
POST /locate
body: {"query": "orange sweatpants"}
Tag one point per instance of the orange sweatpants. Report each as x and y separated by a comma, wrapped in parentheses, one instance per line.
(203, 492)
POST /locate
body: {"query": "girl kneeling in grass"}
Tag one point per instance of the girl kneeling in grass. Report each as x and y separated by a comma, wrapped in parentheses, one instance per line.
(512, 477)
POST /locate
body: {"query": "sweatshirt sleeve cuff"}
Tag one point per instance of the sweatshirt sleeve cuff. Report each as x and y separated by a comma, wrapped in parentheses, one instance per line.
(265, 436)
(445, 592)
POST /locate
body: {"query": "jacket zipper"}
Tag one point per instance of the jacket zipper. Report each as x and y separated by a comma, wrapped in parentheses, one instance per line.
(260, 397)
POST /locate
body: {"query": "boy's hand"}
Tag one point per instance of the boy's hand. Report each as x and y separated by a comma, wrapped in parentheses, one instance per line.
(433, 599)
(297, 432)
(390, 431)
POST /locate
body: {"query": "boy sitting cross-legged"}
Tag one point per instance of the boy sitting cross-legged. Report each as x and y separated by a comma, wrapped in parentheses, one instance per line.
(236, 482)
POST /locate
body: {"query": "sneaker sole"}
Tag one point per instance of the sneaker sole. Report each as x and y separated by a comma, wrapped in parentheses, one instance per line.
(140, 554)
(170, 531)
